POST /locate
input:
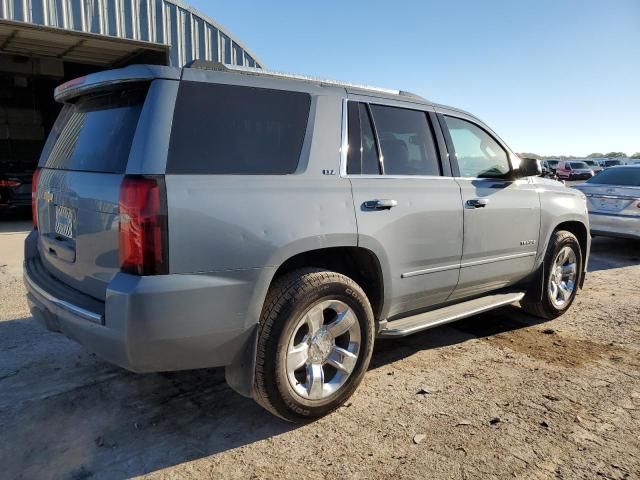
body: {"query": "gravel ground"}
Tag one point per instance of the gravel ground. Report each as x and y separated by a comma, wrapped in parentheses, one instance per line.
(496, 396)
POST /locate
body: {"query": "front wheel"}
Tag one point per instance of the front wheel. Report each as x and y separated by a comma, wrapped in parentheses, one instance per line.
(561, 270)
(315, 341)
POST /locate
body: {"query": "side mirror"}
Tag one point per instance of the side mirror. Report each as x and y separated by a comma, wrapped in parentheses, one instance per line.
(529, 167)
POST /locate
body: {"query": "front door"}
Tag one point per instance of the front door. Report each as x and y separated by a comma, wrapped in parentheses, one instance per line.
(501, 215)
(407, 211)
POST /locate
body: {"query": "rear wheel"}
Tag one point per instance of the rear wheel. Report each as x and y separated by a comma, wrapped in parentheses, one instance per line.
(314, 344)
(561, 270)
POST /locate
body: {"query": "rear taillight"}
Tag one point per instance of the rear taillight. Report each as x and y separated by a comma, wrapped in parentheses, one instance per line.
(9, 183)
(34, 198)
(143, 238)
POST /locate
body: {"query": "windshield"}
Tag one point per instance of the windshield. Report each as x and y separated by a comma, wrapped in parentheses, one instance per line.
(591, 163)
(579, 165)
(553, 163)
(625, 176)
(95, 133)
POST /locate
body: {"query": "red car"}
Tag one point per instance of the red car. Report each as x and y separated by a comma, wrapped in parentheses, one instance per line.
(573, 170)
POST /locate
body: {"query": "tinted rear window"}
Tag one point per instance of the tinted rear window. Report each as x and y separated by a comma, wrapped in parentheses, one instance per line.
(228, 129)
(628, 177)
(94, 134)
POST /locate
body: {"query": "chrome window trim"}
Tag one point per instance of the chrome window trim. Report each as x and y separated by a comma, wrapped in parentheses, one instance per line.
(344, 148)
(433, 177)
(402, 177)
(69, 307)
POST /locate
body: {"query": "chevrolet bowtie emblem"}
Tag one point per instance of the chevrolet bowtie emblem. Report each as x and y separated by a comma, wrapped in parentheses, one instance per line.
(48, 196)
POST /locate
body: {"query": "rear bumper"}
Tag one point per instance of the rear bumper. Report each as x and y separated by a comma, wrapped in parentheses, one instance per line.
(612, 225)
(149, 324)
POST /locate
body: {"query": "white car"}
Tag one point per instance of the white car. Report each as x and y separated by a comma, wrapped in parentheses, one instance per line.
(594, 166)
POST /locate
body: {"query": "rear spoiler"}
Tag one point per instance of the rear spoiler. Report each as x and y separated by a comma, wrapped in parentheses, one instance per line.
(97, 81)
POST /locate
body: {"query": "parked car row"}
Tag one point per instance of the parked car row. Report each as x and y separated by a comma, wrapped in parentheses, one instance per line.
(573, 169)
(612, 189)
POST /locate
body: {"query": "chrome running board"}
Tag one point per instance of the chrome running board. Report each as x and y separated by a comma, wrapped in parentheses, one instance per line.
(434, 318)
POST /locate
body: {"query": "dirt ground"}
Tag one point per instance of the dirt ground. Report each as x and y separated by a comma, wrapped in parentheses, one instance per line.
(500, 395)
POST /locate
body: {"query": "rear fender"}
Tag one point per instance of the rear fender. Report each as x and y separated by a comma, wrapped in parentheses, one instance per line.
(241, 370)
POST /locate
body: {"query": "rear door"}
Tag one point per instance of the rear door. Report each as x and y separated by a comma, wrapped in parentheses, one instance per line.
(408, 207)
(501, 215)
(82, 167)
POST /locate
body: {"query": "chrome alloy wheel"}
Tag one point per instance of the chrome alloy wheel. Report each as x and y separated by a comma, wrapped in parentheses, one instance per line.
(563, 277)
(323, 350)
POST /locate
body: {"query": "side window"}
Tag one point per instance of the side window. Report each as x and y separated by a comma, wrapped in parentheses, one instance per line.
(406, 141)
(478, 154)
(363, 152)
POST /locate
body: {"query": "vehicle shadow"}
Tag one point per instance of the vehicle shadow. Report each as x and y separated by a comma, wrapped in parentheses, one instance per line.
(608, 253)
(502, 320)
(71, 415)
(14, 225)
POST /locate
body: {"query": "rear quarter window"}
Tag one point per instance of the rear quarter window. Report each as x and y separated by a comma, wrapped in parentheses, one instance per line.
(229, 129)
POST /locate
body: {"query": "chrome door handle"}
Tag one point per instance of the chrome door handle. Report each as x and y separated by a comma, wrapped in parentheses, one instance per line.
(382, 204)
(477, 203)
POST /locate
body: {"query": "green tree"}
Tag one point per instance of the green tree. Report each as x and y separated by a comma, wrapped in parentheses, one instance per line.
(595, 155)
(615, 154)
(636, 155)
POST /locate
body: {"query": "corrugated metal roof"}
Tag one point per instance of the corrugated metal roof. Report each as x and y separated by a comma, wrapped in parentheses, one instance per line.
(189, 34)
(20, 38)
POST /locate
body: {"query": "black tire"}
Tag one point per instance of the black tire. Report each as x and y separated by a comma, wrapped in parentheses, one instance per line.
(288, 299)
(543, 306)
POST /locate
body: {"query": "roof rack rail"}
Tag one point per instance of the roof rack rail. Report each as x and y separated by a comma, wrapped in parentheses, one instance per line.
(224, 67)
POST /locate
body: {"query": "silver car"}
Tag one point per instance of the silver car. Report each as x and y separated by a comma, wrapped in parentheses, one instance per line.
(594, 166)
(276, 225)
(613, 199)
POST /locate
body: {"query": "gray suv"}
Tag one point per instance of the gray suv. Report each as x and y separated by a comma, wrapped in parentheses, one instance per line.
(277, 225)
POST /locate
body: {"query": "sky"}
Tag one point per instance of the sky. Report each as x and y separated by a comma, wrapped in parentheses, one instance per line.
(553, 77)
